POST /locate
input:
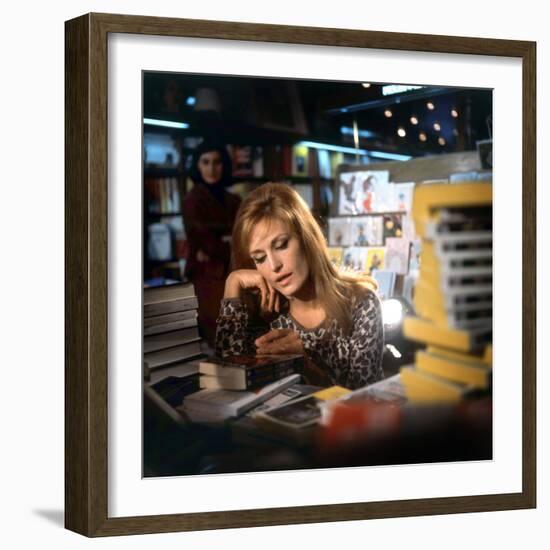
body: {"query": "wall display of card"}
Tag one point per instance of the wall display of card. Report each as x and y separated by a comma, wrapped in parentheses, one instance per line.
(336, 255)
(403, 193)
(366, 231)
(365, 192)
(348, 202)
(397, 255)
(392, 225)
(375, 258)
(355, 258)
(339, 232)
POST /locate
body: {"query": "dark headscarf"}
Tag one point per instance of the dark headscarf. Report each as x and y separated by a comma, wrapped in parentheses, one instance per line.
(217, 189)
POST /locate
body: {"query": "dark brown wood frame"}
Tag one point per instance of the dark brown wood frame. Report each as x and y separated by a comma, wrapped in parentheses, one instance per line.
(86, 317)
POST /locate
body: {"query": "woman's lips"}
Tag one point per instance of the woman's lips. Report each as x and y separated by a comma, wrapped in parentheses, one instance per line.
(284, 280)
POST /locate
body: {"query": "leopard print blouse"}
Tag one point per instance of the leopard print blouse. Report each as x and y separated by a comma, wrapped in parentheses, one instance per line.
(352, 361)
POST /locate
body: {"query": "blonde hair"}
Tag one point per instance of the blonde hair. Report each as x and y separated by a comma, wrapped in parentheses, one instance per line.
(278, 201)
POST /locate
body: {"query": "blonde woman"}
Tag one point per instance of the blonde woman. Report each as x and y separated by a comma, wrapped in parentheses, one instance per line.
(279, 253)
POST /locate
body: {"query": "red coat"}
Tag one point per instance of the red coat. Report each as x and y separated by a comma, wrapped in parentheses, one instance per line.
(208, 224)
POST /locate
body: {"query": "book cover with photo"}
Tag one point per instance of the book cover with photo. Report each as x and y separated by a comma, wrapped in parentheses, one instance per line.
(366, 231)
(339, 232)
(355, 258)
(336, 255)
(375, 258)
(392, 226)
(375, 191)
(397, 255)
(403, 193)
(375, 230)
(348, 198)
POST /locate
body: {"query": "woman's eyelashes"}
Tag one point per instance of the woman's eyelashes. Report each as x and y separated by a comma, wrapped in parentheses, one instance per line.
(279, 246)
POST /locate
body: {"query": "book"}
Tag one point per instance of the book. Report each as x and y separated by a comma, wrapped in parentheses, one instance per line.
(167, 318)
(422, 330)
(240, 372)
(397, 255)
(430, 197)
(155, 342)
(172, 325)
(339, 231)
(299, 413)
(300, 157)
(293, 392)
(162, 307)
(366, 231)
(376, 193)
(156, 359)
(182, 369)
(375, 259)
(403, 196)
(485, 356)
(216, 405)
(336, 255)
(355, 258)
(349, 200)
(388, 390)
(422, 387)
(392, 226)
(454, 369)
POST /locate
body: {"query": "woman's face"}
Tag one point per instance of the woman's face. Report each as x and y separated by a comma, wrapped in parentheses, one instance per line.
(279, 257)
(210, 167)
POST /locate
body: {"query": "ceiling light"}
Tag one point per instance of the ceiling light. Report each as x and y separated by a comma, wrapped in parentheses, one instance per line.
(351, 150)
(422, 136)
(366, 84)
(441, 141)
(165, 123)
(437, 126)
(388, 113)
(430, 105)
(414, 120)
(401, 132)
(454, 113)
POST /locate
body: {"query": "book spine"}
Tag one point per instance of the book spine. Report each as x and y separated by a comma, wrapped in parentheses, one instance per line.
(172, 306)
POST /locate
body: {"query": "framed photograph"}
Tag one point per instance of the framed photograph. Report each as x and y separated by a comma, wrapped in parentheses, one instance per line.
(127, 228)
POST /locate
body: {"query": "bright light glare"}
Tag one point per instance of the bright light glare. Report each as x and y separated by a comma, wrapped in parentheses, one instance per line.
(165, 123)
(392, 312)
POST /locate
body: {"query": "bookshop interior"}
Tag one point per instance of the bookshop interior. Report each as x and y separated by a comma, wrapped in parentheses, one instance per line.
(317, 274)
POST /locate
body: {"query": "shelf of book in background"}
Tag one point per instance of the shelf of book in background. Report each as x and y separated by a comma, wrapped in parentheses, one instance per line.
(165, 238)
(453, 295)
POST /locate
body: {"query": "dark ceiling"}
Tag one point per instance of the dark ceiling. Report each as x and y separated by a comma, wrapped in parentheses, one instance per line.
(271, 110)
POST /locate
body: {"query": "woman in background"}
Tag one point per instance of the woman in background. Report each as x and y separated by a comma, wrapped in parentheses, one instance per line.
(209, 212)
(333, 319)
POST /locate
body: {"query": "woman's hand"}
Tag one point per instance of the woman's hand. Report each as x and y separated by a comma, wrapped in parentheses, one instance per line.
(286, 341)
(250, 279)
(279, 341)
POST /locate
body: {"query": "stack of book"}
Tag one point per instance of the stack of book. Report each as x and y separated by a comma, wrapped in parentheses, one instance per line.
(233, 385)
(217, 405)
(241, 372)
(453, 295)
(171, 337)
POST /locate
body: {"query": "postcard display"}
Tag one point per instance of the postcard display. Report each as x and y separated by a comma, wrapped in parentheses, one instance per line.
(372, 230)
